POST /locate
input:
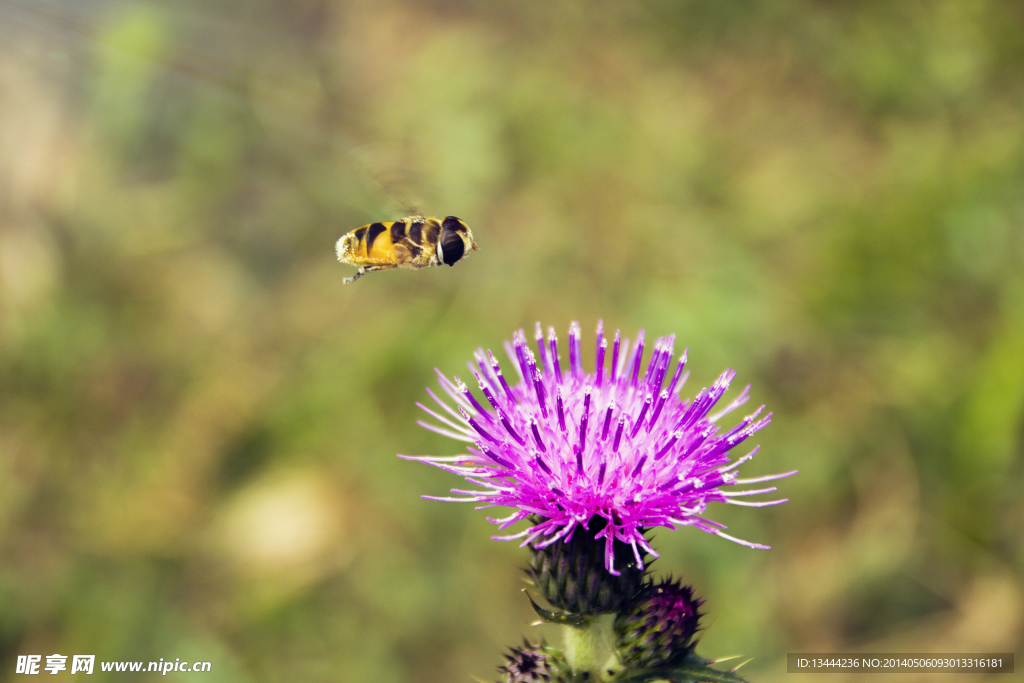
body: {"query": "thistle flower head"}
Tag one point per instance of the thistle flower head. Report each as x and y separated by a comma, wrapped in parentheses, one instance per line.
(659, 629)
(614, 451)
(531, 663)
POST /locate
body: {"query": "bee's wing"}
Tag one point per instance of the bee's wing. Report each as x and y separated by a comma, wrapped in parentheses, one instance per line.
(401, 254)
(403, 187)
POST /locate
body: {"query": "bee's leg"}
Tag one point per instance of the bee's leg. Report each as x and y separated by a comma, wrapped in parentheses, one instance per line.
(363, 270)
(359, 274)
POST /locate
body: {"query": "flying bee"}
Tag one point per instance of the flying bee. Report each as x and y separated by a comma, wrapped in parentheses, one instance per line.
(413, 242)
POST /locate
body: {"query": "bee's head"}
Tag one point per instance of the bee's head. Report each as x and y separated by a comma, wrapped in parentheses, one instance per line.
(455, 241)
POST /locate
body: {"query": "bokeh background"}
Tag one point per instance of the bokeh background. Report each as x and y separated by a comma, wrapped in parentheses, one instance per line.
(199, 422)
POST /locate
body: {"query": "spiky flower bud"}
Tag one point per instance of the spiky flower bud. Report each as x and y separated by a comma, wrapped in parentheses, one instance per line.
(531, 663)
(659, 629)
(573, 576)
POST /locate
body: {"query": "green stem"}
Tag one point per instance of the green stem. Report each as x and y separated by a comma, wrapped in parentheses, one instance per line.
(589, 646)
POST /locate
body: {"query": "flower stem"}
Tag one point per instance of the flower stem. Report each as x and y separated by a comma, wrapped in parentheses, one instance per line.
(589, 646)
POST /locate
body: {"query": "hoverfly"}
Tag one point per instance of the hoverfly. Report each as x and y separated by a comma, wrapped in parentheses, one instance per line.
(412, 242)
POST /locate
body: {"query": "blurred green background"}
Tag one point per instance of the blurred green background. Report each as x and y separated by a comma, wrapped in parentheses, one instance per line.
(199, 422)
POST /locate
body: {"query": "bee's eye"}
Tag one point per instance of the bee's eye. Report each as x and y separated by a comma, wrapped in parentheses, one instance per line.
(452, 223)
(452, 247)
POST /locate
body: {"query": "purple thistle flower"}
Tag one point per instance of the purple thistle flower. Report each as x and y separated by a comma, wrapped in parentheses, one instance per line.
(660, 627)
(616, 446)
